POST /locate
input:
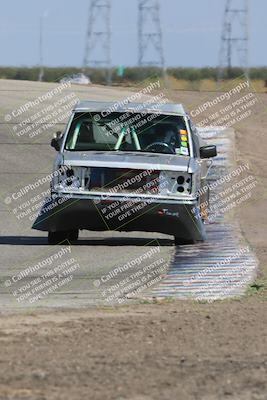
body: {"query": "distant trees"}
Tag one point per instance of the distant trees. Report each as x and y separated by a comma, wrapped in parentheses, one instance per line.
(130, 75)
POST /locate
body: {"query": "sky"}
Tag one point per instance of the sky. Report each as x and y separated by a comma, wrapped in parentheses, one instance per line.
(191, 32)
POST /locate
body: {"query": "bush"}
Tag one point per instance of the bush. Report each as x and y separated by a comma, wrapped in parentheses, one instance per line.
(132, 75)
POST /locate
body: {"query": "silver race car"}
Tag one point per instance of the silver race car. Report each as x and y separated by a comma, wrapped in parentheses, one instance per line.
(132, 167)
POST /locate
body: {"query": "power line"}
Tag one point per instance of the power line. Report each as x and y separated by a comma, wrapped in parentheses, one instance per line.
(41, 42)
(150, 34)
(98, 38)
(235, 38)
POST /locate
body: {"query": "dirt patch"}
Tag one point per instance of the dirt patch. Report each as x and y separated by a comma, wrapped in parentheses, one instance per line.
(163, 351)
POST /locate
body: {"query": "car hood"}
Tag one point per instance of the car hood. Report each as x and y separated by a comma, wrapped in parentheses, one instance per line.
(167, 162)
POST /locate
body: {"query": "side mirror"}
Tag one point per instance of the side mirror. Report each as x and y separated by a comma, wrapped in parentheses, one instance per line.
(55, 143)
(208, 151)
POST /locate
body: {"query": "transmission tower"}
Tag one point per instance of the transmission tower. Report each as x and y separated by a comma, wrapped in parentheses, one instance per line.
(98, 39)
(150, 34)
(235, 38)
(41, 50)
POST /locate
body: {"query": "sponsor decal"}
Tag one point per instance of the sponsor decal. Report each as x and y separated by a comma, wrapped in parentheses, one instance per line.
(184, 151)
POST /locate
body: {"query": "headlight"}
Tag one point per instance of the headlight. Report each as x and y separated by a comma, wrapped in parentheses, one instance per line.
(69, 178)
(184, 183)
(172, 182)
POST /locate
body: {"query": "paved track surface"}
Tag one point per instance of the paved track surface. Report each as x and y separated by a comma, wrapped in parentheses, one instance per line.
(96, 255)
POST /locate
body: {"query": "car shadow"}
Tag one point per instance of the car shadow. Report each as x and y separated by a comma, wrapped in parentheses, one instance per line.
(118, 241)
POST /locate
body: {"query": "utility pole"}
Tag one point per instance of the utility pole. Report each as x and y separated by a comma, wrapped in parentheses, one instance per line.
(41, 43)
(234, 38)
(150, 35)
(98, 38)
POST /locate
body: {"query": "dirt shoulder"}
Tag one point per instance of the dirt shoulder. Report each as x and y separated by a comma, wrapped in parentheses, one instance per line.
(164, 351)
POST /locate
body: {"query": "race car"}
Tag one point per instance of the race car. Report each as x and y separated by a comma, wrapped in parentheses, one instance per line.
(128, 167)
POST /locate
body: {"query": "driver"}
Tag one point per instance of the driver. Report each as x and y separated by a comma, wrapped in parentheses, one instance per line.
(169, 134)
(86, 134)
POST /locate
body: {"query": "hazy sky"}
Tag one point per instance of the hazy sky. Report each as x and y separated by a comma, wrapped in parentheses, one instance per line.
(191, 31)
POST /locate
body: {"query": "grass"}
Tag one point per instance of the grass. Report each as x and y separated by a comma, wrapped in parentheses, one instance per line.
(259, 288)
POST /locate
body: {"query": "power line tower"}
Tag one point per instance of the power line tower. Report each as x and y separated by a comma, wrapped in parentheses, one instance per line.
(235, 38)
(41, 41)
(98, 38)
(150, 34)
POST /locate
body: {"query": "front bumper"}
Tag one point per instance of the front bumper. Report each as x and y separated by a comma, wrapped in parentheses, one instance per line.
(173, 217)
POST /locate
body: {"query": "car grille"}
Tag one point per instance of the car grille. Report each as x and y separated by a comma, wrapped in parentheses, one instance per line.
(121, 180)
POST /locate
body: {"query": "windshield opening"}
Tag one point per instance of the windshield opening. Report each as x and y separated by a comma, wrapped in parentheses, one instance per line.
(128, 132)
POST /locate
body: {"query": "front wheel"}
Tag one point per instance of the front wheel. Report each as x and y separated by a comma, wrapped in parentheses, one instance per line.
(74, 235)
(61, 236)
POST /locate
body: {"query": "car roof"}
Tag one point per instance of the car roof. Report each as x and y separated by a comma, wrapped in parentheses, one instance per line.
(123, 106)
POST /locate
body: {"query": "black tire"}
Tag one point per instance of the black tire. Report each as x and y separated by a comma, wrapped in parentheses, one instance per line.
(181, 241)
(61, 236)
(74, 235)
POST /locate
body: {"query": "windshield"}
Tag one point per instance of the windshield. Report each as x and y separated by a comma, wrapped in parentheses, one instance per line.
(128, 132)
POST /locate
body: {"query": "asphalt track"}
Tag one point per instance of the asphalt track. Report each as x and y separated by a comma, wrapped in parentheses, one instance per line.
(107, 268)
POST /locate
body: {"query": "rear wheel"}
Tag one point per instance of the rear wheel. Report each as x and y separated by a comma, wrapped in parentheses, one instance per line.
(181, 241)
(61, 236)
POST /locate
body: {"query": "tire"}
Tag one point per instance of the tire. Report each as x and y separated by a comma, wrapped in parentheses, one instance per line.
(74, 235)
(181, 241)
(61, 236)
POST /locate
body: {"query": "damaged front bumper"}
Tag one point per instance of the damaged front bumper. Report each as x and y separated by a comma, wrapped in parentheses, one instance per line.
(63, 212)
